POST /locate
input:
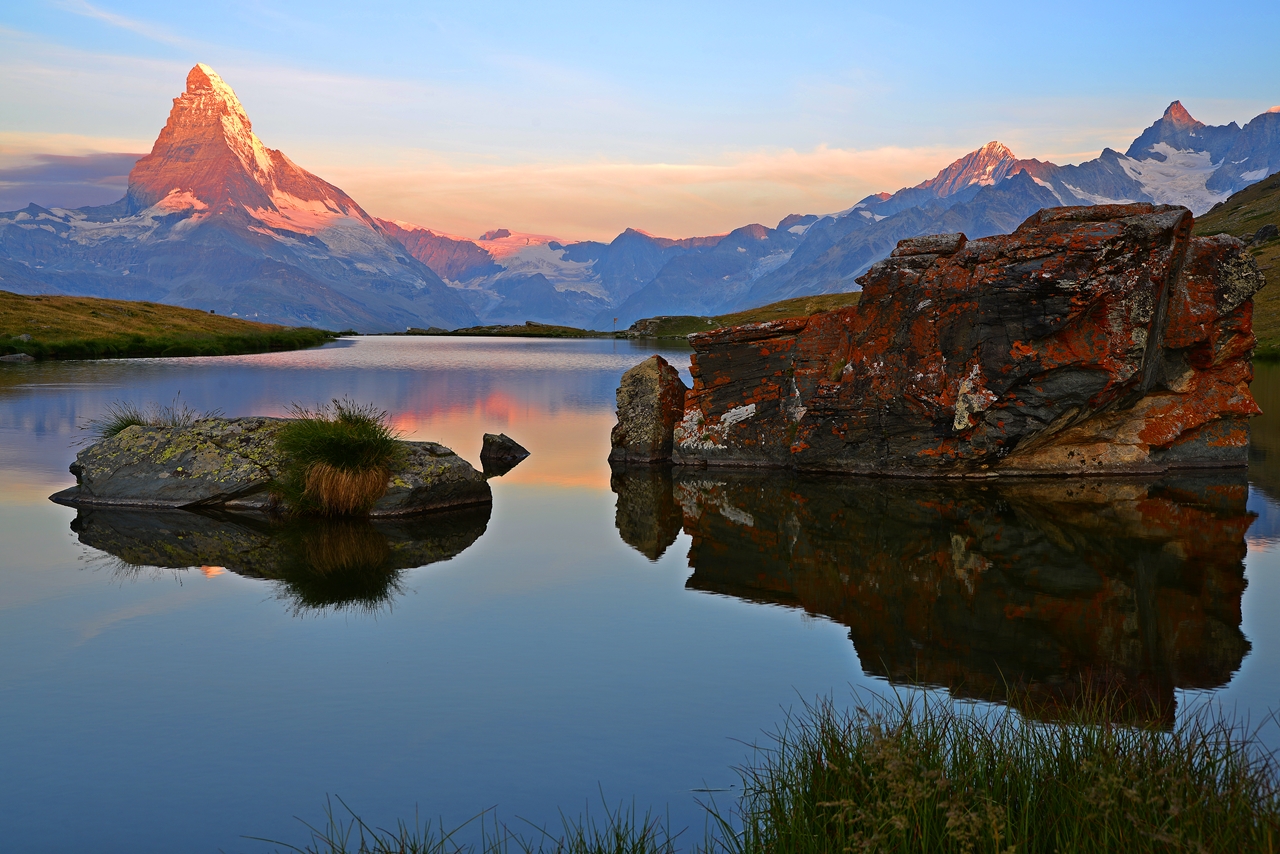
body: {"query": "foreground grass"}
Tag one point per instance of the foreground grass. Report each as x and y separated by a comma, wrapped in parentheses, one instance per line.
(1241, 216)
(930, 775)
(619, 832)
(679, 326)
(56, 327)
(926, 775)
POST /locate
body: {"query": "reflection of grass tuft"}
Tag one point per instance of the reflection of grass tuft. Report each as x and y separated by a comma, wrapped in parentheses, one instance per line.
(338, 458)
(337, 564)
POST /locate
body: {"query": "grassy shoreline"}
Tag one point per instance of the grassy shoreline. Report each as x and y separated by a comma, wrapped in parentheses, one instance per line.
(929, 774)
(61, 327)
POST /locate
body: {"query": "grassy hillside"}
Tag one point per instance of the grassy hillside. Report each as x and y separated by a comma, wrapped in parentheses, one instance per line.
(528, 329)
(58, 327)
(1241, 216)
(678, 326)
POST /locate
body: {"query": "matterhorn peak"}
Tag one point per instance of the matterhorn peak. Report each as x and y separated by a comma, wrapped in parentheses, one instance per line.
(207, 158)
(1177, 114)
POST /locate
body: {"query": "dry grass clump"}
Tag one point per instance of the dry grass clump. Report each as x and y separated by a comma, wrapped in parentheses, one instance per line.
(339, 458)
(345, 492)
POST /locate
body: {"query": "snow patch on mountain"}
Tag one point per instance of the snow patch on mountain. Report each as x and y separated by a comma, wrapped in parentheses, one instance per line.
(1177, 180)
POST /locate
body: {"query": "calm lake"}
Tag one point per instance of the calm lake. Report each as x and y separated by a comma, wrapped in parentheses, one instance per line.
(172, 682)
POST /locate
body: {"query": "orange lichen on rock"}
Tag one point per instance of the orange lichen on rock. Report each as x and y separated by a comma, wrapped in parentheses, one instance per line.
(1091, 340)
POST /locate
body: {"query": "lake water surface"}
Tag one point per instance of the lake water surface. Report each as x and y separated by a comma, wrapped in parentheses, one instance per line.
(172, 682)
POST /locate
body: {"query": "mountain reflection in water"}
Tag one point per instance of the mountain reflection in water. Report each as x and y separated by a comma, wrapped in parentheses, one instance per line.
(1039, 593)
(317, 564)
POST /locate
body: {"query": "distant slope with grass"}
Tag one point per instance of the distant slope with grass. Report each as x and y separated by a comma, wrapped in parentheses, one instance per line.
(60, 327)
(680, 325)
(1244, 215)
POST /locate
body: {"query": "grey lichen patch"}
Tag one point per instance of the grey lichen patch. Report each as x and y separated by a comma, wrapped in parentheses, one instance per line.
(1239, 278)
(208, 462)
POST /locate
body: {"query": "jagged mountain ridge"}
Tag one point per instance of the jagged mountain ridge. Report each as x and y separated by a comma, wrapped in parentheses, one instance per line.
(215, 220)
(988, 191)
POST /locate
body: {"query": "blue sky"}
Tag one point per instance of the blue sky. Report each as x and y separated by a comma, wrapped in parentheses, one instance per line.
(581, 119)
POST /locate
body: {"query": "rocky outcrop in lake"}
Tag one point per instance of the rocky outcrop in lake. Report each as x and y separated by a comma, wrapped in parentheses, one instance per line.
(650, 404)
(1045, 591)
(232, 464)
(1091, 340)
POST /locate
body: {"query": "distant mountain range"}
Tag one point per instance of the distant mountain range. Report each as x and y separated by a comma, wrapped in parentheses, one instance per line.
(212, 219)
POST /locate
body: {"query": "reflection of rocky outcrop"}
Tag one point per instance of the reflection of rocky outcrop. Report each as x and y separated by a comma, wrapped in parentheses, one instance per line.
(647, 516)
(1046, 590)
(319, 563)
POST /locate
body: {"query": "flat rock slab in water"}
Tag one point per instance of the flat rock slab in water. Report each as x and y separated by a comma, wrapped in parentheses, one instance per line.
(231, 462)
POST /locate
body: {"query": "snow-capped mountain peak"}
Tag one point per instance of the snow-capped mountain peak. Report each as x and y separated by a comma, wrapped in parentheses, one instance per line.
(208, 151)
(985, 166)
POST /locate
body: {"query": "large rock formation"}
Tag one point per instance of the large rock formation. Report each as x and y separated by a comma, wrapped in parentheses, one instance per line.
(1037, 591)
(231, 463)
(1098, 340)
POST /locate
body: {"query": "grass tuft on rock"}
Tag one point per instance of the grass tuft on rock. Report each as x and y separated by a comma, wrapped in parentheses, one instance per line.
(339, 458)
(120, 415)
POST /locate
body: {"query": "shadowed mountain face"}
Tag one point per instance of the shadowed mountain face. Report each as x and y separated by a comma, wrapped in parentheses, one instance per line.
(1044, 590)
(315, 564)
(215, 220)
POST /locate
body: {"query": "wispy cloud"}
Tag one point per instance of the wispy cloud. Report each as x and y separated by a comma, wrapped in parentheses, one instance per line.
(598, 200)
(58, 180)
(142, 28)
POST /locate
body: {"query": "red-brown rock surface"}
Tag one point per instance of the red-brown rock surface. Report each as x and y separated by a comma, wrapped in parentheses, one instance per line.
(1092, 340)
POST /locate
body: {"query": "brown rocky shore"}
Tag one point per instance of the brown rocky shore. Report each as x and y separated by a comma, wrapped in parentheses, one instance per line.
(1091, 340)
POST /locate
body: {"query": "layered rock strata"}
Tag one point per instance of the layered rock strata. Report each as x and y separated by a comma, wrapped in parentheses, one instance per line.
(231, 463)
(1091, 340)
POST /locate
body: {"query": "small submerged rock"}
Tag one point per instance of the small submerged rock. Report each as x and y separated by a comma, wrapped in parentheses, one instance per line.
(500, 454)
(232, 463)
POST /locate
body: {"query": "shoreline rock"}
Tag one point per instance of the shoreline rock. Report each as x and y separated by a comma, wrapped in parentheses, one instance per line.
(651, 402)
(1091, 340)
(230, 463)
